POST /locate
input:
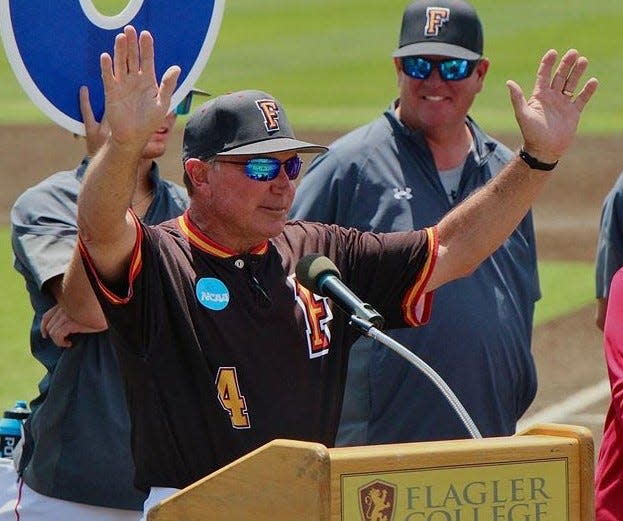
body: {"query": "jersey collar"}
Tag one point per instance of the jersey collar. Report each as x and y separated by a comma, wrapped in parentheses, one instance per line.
(201, 241)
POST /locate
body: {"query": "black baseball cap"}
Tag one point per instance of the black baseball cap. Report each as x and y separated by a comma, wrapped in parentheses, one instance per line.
(440, 27)
(244, 122)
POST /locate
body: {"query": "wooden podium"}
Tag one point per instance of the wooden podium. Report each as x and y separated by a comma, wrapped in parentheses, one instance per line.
(542, 474)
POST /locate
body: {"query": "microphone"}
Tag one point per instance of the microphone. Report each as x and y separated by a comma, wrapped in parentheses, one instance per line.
(318, 274)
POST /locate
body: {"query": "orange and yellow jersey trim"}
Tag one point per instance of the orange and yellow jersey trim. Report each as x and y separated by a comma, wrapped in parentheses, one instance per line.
(136, 263)
(416, 307)
(201, 241)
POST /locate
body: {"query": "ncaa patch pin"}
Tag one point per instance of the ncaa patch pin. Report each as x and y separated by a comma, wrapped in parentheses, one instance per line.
(212, 293)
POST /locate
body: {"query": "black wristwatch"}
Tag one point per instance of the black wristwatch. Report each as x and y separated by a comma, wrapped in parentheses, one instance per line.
(534, 163)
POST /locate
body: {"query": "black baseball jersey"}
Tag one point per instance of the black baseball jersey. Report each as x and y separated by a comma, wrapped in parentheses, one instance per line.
(221, 353)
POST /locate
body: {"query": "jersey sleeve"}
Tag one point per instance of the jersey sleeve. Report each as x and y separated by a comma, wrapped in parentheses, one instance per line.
(116, 299)
(389, 271)
(43, 233)
(610, 243)
(122, 292)
(135, 304)
(416, 304)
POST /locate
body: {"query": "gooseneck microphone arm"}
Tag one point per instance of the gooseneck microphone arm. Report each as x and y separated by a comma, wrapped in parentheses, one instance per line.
(432, 375)
(318, 274)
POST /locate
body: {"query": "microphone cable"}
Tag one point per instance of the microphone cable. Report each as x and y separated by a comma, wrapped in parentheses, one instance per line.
(432, 375)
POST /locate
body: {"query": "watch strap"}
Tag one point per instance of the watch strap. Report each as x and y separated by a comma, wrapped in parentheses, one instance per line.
(534, 163)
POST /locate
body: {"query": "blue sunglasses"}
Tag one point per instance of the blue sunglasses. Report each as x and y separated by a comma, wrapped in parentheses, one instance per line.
(450, 69)
(268, 168)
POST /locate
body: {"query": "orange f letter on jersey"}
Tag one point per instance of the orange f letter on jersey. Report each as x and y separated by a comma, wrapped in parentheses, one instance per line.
(318, 315)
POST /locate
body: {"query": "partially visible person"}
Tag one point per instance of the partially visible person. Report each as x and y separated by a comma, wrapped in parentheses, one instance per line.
(406, 170)
(76, 462)
(217, 339)
(609, 248)
(609, 472)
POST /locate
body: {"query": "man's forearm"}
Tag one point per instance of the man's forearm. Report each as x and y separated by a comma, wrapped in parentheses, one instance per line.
(107, 191)
(478, 226)
(105, 226)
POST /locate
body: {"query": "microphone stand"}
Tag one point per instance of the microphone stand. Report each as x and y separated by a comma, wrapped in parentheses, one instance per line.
(366, 328)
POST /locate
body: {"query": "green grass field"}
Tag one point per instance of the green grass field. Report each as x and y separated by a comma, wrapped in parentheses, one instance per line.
(329, 63)
(329, 60)
(19, 373)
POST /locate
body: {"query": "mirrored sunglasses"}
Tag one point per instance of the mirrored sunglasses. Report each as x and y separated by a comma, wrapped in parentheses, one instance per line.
(450, 69)
(268, 168)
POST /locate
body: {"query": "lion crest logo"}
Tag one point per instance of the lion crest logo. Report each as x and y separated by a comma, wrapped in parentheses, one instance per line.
(376, 501)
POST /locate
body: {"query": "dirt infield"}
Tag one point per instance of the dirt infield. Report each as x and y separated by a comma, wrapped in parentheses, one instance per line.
(568, 350)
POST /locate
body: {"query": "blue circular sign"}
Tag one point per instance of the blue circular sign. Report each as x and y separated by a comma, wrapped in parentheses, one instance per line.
(54, 47)
(212, 293)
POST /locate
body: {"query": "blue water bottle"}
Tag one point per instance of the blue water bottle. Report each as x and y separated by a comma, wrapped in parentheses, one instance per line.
(11, 428)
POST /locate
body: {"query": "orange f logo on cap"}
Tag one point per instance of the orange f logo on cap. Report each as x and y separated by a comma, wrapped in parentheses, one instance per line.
(435, 18)
(270, 111)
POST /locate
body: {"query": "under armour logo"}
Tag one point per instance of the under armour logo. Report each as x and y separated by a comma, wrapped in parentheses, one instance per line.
(402, 193)
(435, 18)
(270, 111)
